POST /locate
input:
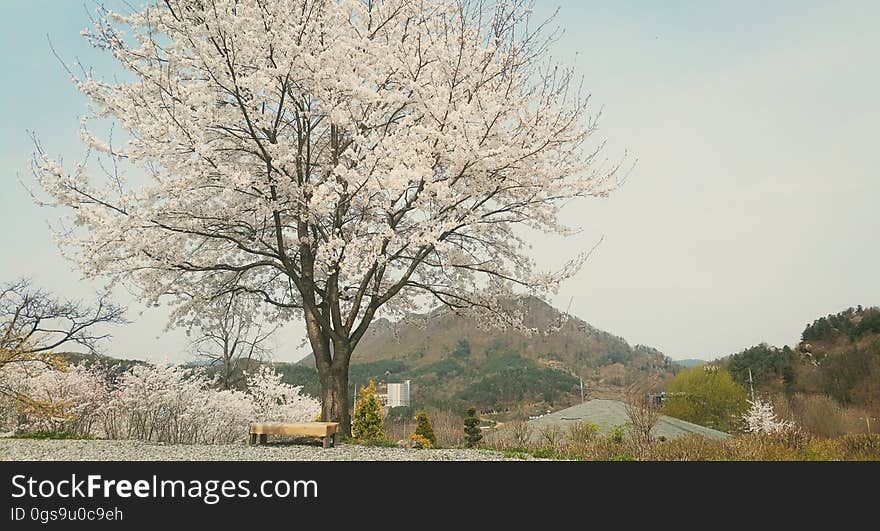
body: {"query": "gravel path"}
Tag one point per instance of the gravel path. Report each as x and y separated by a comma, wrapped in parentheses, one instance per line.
(73, 450)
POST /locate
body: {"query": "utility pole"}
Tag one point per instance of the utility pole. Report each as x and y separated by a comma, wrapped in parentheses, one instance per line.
(751, 385)
(582, 388)
(355, 404)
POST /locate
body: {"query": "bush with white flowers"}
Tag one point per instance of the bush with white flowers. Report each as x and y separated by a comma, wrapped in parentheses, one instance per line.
(274, 400)
(160, 403)
(39, 399)
(761, 418)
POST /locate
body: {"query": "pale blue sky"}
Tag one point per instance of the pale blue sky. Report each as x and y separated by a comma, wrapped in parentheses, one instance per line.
(751, 211)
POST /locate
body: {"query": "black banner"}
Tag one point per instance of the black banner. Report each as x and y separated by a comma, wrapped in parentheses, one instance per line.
(115, 495)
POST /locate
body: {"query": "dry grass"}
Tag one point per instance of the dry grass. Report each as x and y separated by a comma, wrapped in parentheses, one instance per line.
(822, 415)
(584, 442)
(790, 446)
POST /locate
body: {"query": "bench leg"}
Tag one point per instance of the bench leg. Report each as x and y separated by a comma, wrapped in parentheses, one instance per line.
(253, 438)
(263, 438)
(329, 441)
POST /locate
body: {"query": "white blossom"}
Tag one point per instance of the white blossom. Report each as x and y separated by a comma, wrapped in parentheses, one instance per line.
(339, 159)
(163, 403)
(275, 400)
(761, 418)
(447, 139)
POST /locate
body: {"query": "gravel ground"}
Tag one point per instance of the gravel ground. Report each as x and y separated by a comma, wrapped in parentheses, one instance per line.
(73, 450)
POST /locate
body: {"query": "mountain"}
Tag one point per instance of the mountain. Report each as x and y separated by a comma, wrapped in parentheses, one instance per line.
(454, 363)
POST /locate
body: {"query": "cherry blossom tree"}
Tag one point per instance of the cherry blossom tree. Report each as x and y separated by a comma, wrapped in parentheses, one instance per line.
(172, 403)
(340, 159)
(60, 400)
(274, 400)
(230, 336)
(761, 418)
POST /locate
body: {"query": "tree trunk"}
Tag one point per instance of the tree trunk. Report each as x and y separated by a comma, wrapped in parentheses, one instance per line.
(334, 395)
(332, 357)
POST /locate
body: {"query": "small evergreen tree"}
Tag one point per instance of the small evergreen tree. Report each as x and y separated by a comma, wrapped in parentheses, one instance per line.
(424, 428)
(367, 421)
(472, 432)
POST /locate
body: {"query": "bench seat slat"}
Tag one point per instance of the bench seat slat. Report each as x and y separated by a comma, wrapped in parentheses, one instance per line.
(305, 429)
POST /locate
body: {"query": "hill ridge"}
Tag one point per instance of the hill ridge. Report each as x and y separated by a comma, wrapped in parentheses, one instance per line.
(452, 360)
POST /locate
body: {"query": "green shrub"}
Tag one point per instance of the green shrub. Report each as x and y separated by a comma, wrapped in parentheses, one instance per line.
(515, 454)
(546, 453)
(367, 421)
(382, 443)
(425, 429)
(472, 432)
(618, 433)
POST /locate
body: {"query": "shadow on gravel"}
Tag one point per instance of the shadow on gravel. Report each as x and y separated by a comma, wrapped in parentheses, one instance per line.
(291, 441)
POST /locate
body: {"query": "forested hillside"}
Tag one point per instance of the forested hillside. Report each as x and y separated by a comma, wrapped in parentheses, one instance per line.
(832, 377)
(453, 363)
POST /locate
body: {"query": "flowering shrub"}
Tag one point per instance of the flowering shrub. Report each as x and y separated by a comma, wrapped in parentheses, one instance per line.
(160, 403)
(419, 441)
(176, 405)
(74, 396)
(760, 418)
(40, 399)
(275, 400)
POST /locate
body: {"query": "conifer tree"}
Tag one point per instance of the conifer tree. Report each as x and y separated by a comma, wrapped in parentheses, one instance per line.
(367, 421)
(424, 428)
(472, 432)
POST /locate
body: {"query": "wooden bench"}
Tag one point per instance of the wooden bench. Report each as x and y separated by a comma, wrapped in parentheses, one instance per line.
(324, 430)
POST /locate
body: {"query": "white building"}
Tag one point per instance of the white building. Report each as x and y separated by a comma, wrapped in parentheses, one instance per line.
(398, 394)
